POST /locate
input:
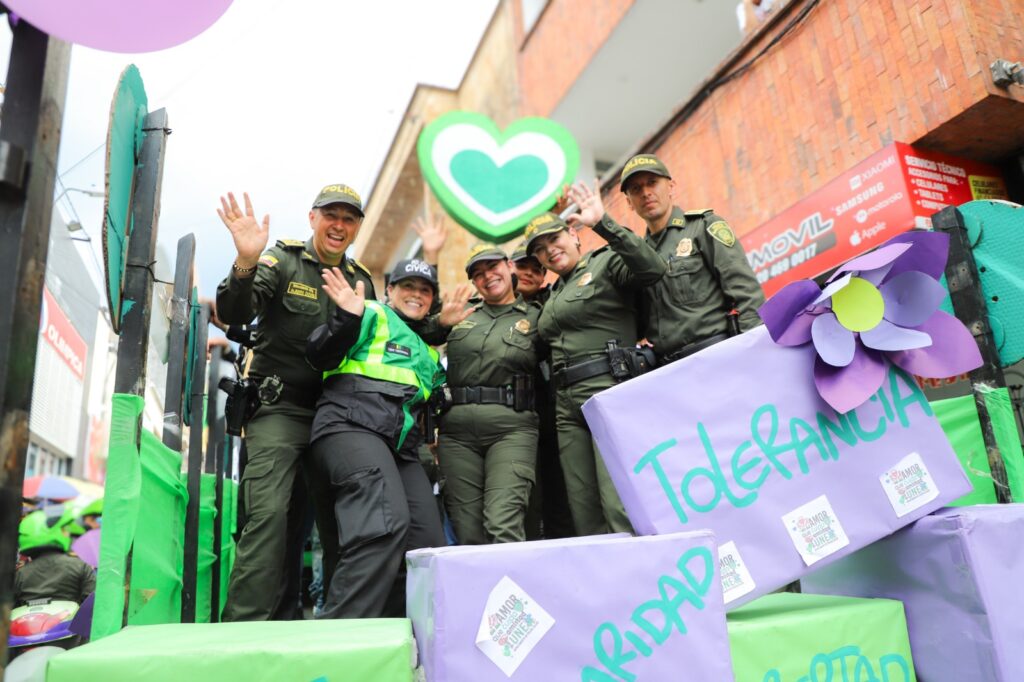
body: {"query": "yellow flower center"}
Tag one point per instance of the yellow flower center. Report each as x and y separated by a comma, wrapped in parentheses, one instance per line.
(858, 305)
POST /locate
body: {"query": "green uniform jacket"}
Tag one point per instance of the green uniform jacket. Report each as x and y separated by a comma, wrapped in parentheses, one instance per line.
(596, 302)
(52, 574)
(707, 274)
(287, 295)
(494, 344)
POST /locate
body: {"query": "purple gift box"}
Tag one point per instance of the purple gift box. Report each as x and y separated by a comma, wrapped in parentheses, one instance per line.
(594, 609)
(956, 573)
(737, 439)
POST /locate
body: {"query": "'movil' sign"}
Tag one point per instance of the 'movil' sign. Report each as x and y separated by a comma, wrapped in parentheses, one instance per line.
(892, 191)
(492, 182)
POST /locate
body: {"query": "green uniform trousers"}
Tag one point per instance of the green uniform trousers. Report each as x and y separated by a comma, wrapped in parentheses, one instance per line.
(488, 456)
(593, 500)
(264, 580)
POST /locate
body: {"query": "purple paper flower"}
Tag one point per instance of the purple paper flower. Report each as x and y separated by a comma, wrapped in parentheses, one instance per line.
(877, 308)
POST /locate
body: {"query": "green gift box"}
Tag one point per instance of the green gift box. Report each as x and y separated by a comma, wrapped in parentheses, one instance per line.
(813, 638)
(372, 650)
(959, 419)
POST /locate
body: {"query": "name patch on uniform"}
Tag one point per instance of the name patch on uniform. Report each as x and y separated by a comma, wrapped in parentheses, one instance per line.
(721, 231)
(523, 326)
(684, 247)
(404, 351)
(585, 279)
(300, 289)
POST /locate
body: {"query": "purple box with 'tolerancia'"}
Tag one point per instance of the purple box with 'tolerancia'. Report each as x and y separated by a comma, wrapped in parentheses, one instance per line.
(737, 439)
(958, 574)
(602, 608)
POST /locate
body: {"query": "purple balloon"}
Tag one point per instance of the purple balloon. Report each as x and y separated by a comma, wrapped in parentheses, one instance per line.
(911, 297)
(835, 343)
(845, 388)
(888, 337)
(121, 25)
(953, 350)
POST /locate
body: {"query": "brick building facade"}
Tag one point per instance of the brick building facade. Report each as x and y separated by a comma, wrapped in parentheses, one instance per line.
(765, 119)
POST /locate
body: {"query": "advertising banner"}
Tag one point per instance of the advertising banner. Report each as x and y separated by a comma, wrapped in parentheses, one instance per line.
(895, 190)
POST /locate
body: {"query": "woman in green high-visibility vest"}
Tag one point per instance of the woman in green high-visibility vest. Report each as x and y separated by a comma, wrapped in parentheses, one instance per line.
(378, 375)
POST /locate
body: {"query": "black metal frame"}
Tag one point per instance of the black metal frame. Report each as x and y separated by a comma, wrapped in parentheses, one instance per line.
(969, 305)
(177, 355)
(33, 107)
(190, 573)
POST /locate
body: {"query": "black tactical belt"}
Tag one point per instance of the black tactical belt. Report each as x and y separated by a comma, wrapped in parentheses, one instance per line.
(572, 374)
(694, 348)
(271, 390)
(482, 395)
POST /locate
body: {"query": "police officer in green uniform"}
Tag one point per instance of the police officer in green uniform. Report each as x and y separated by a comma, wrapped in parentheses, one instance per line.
(46, 570)
(548, 515)
(378, 374)
(282, 287)
(592, 305)
(487, 445)
(709, 291)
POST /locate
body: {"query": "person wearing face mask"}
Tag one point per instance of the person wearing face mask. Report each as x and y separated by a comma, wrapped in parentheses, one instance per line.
(709, 291)
(591, 324)
(281, 286)
(377, 377)
(487, 443)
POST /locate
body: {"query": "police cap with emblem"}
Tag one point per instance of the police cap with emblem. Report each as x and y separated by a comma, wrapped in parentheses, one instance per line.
(482, 252)
(415, 267)
(545, 223)
(338, 194)
(643, 163)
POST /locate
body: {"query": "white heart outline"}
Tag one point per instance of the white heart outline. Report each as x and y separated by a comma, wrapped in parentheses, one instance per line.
(462, 136)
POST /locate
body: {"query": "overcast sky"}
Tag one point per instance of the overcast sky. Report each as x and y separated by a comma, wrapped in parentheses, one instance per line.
(277, 98)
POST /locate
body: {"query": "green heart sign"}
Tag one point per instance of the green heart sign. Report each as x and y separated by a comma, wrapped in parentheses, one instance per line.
(491, 181)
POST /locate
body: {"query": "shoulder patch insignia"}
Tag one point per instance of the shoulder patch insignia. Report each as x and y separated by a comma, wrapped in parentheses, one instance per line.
(677, 222)
(586, 279)
(291, 243)
(684, 247)
(523, 326)
(303, 290)
(721, 231)
(268, 260)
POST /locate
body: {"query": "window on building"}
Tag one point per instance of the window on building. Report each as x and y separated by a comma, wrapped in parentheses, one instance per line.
(31, 459)
(532, 9)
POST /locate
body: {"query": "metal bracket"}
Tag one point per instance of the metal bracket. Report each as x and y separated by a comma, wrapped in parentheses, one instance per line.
(1006, 73)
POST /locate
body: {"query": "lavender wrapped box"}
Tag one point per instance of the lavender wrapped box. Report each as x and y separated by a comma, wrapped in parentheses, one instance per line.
(737, 439)
(957, 573)
(592, 609)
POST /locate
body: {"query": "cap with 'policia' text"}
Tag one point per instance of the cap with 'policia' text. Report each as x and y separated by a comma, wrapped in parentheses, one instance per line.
(643, 163)
(482, 252)
(338, 194)
(545, 223)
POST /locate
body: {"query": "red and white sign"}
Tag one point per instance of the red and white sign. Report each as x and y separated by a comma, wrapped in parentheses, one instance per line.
(893, 191)
(56, 328)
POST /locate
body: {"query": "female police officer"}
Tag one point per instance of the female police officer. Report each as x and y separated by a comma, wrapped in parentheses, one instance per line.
(377, 376)
(592, 303)
(487, 446)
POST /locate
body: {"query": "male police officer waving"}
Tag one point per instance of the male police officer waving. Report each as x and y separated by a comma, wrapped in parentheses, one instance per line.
(283, 288)
(708, 275)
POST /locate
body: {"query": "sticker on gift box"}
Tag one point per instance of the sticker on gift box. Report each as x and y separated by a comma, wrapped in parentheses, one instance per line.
(512, 625)
(736, 578)
(909, 485)
(815, 530)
